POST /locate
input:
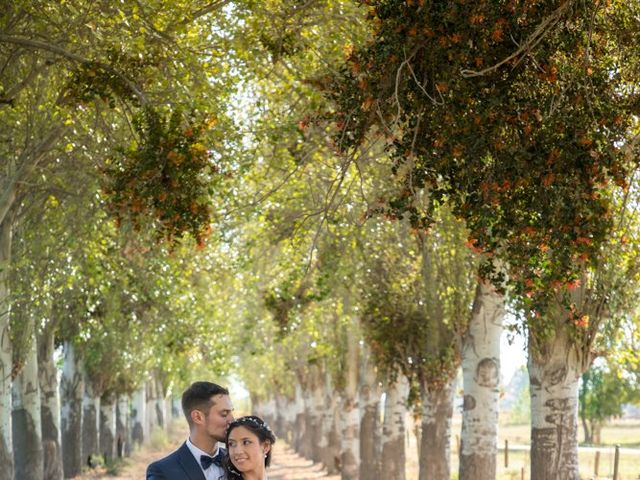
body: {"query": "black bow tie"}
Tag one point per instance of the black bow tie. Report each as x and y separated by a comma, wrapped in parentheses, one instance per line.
(206, 460)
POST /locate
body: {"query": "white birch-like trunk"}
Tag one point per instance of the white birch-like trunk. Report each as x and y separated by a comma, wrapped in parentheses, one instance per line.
(152, 415)
(108, 427)
(554, 378)
(281, 422)
(161, 412)
(90, 422)
(71, 393)
(370, 429)
(350, 412)
(298, 411)
(306, 446)
(318, 436)
(50, 407)
(330, 442)
(139, 435)
(6, 360)
(435, 448)
(481, 379)
(394, 429)
(27, 425)
(123, 426)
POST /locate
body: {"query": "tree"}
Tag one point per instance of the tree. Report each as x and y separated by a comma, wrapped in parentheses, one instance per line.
(473, 120)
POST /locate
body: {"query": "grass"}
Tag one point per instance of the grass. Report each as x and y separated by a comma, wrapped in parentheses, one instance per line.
(624, 433)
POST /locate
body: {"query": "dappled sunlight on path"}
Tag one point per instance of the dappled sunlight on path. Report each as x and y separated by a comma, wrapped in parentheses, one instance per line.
(288, 465)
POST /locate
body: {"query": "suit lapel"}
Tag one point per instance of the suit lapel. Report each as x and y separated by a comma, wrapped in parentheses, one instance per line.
(189, 463)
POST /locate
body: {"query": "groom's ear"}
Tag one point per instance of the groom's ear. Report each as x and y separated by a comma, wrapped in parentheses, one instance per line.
(197, 417)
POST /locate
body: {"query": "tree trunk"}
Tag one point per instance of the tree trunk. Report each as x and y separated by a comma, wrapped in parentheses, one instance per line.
(588, 438)
(481, 378)
(554, 375)
(152, 414)
(330, 442)
(50, 405)
(318, 435)
(139, 434)
(108, 427)
(90, 423)
(369, 393)
(435, 441)
(72, 391)
(299, 428)
(350, 413)
(6, 354)
(123, 430)
(394, 429)
(27, 424)
(161, 412)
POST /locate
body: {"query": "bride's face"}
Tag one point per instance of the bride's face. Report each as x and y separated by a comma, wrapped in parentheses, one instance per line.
(245, 450)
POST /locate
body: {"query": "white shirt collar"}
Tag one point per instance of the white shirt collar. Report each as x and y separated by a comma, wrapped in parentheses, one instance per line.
(214, 472)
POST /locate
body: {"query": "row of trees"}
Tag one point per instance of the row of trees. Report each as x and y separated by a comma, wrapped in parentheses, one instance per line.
(328, 199)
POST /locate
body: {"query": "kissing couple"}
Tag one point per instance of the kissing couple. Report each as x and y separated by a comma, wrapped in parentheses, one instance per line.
(209, 413)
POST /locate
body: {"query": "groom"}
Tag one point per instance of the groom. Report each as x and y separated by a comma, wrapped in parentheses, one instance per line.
(208, 409)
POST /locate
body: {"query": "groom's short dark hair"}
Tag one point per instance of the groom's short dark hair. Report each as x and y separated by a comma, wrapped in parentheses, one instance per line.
(198, 397)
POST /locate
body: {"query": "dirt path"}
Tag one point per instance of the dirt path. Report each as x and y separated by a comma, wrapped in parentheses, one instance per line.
(286, 464)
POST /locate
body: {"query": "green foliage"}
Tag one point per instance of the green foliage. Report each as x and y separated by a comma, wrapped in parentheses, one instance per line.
(167, 175)
(512, 112)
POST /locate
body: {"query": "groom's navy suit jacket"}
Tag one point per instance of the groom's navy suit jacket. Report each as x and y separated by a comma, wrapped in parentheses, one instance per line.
(180, 465)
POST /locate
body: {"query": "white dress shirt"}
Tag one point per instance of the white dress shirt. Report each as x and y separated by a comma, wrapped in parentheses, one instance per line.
(214, 472)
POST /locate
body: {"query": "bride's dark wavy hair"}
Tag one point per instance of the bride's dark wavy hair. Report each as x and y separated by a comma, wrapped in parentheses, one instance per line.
(261, 430)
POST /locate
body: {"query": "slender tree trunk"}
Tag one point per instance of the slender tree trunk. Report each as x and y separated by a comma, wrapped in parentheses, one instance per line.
(152, 416)
(481, 378)
(90, 422)
(161, 412)
(108, 427)
(435, 448)
(318, 435)
(330, 445)
(588, 438)
(50, 405)
(138, 416)
(123, 430)
(27, 424)
(350, 412)
(299, 427)
(369, 393)
(72, 391)
(6, 354)
(306, 447)
(554, 374)
(394, 429)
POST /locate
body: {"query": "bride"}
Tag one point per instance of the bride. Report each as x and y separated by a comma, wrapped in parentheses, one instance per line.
(249, 441)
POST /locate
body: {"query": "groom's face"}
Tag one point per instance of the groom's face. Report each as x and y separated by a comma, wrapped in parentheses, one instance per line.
(219, 416)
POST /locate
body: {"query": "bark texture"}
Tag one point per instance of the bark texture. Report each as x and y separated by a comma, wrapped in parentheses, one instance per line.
(554, 375)
(481, 378)
(6, 443)
(123, 430)
(108, 427)
(435, 439)
(350, 413)
(50, 407)
(72, 391)
(369, 393)
(27, 436)
(90, 423)
(138, 415)
(394, 429)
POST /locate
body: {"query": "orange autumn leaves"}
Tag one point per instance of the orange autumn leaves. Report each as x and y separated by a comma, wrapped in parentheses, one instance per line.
(165, 178)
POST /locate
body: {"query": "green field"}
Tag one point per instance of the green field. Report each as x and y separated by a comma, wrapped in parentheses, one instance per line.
(624, 433)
